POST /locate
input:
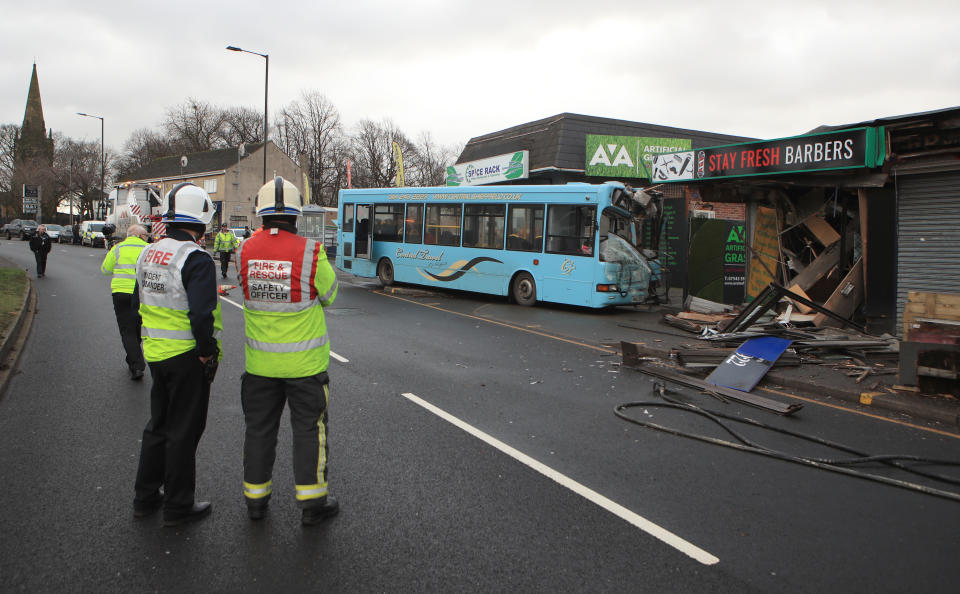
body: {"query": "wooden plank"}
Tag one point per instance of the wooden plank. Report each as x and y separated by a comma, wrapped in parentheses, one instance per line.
(821, 229)
(702, 317)
(923, 304)
(819, 268)
(845, 298)
(800, 307)
(764, 246)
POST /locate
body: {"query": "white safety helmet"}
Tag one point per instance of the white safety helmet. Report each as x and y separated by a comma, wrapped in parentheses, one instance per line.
(187, 203)
(279, 197)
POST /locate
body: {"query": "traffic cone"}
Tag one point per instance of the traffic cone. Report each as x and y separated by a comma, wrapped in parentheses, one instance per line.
(225, 289)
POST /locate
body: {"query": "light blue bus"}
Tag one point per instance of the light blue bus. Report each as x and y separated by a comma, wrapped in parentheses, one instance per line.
(574, 244)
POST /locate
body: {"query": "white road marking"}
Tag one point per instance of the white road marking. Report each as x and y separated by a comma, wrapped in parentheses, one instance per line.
(640, 522)
(237, 305)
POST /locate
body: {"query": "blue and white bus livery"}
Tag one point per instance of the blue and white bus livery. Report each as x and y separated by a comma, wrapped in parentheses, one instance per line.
(574, 244)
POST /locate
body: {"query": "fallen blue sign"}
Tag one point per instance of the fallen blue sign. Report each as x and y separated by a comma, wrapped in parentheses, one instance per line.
(747, 366)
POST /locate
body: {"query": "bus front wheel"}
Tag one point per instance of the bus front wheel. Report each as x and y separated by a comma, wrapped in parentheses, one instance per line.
(385, 272)
(524, 289)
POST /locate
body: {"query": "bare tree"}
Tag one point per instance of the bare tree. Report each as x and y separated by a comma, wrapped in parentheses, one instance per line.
(309, 129)
(372, 150)
(143, 147)
(241, 125)
(429, 161)
(8, 140)
(195, 126)
(76, 168)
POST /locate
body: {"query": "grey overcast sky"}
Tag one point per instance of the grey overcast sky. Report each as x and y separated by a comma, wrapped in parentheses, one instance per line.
(459, 69)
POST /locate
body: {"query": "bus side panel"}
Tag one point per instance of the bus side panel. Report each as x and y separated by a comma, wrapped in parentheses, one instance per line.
(566, 279)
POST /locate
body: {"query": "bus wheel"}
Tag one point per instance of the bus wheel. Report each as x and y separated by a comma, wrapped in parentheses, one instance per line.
(385, 272)
(524, 289)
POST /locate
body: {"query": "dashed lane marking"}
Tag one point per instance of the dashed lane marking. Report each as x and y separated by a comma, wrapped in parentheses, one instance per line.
(238, 306)
(613, 507)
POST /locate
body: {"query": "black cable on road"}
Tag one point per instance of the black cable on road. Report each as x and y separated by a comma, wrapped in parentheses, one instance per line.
(838, 465)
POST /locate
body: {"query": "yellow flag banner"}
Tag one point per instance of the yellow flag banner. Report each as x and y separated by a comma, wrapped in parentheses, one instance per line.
(398, 157)
(306, 189)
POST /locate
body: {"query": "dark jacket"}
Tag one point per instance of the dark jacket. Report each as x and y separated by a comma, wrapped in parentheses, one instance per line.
(40, 243)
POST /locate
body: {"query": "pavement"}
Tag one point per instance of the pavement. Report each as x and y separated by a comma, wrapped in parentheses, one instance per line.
(642, 326)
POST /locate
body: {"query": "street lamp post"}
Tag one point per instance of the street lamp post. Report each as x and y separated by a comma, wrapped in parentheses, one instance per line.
(266, 87)
(102, 155)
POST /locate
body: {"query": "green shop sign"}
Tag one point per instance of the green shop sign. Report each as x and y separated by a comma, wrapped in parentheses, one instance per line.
(491, 170)
(627, 156)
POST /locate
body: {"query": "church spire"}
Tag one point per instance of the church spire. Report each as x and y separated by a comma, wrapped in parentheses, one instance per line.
(33, 124)
(33, 139)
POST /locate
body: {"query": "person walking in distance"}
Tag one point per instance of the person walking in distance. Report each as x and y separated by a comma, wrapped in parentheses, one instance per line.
(120, 264)
(40, 246)
(286, 281)
(225, 244)
(176, 287)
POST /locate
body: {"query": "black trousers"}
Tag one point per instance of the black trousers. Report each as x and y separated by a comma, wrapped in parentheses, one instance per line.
(128, 319)
(263, 399)
(178, 415)
(41, 262)
(224, 263)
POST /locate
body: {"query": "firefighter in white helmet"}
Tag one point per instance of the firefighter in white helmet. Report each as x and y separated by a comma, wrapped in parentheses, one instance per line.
(176, 287)
(287, 281)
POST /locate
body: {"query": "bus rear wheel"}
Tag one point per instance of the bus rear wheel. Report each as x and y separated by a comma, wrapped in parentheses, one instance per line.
(524, 289)
(385, 272)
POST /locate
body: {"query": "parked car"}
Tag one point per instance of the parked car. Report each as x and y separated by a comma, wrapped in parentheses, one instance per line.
(22, 228)
(91, 233)
(66, 234)
(53, 232)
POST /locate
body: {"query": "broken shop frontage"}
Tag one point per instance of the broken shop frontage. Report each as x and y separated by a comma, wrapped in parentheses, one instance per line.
(847, 234)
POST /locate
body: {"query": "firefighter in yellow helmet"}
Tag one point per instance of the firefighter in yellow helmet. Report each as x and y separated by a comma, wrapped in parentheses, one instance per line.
(286, 281)
(176, 287)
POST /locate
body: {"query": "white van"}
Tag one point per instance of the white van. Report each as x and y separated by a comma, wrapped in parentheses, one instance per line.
(91, 233)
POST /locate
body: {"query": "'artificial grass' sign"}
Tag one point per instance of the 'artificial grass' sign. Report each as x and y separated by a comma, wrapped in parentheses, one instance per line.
(627, 156)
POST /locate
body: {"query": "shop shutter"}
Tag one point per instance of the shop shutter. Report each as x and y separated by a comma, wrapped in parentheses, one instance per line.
(928, 235)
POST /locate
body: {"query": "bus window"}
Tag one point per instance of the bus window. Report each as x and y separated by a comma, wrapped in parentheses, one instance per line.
(570, 229)
(413, 225)
(347, 218)
(387, 222)
(483, 225)
(443, 225)
(525, 229)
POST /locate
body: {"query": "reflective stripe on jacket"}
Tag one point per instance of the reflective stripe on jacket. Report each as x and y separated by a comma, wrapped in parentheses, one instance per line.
(287, 281)
(121, 263)
(164, 305)
(225, 242)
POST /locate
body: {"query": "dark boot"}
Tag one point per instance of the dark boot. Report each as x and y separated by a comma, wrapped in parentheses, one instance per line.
(195, 513)
(317, 513)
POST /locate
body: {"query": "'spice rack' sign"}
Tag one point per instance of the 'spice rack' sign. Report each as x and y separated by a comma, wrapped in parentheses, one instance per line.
(491, 170)
(844, 149)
